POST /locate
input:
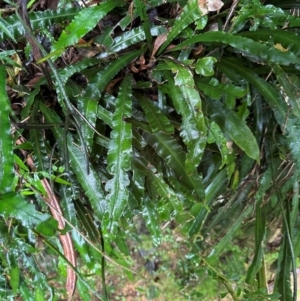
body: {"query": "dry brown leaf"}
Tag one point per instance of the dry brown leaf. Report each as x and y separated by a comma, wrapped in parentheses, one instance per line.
(110, 87)
(280, 47)
(207, 6)
(158, 42)
(198, 50)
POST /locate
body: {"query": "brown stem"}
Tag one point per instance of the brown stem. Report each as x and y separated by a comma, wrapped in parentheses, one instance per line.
(36, 52)
(65, 239)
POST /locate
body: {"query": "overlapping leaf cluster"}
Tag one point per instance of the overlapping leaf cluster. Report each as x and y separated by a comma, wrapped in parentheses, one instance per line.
(177, 122)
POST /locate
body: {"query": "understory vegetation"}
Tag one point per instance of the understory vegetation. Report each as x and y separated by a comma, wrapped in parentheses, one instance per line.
(149, 150)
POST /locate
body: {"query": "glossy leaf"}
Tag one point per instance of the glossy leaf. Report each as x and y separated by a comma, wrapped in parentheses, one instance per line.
(290, 88)
(104, 115)
(150, 215)
(4, 28)
(205, 66)
(83, 22)
(234, 127)
(178, 134)
(89, 109)
(157, 120)
(187, 102)
(246, 46)
(276, 102)
(38, 20)
(265, 16)
(216, 90)
(134, 14)
(102, 79)
(141, 8)
(128, 38)
(40, 155)
(211, 192)
(256, 269)
(288, 40)
(48, 227)
(119, 153)
(14, 205)
(163, 189)
(190, 14)
(215, 135)
(283, 282)
(174, 156)
(89, 182)
(6, 141)
(70, 70)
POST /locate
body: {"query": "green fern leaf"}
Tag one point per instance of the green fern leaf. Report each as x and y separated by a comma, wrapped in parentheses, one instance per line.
(215, 135)
(211, 192)
(254, 50)
(70, 70)
(120, 153)
(288, 40)
(275, 100)
(38, 20)
(190, 14)
(168, 148)
(14, 205)
(7, 182)
(91, 182)
(234, 127)
(39, 154)
(157, 120)
(187, 102)
(205, 66)
(142, 11)
(151, 216)
(215, 90)
(83, 22)
(99, 82)
(88, 107)
(127, 39)
(105, 115)
(156, 178)
(283, 275)
(290, 87)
